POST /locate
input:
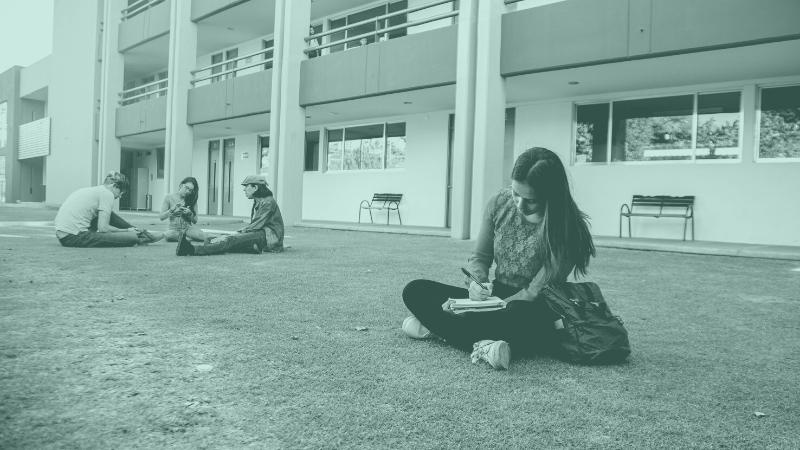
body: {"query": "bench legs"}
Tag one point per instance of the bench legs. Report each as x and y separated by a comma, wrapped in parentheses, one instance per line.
(370, 215)
(620, 226)
(684, 227)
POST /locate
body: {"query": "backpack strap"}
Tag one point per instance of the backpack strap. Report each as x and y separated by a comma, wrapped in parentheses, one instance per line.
(594, 290)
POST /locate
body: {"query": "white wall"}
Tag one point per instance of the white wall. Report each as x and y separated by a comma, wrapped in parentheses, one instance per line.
(335, 196)
(72, 97)
(245, 163)
(737, 201)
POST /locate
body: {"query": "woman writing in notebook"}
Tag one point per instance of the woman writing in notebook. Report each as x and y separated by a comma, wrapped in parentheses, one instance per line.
(535, 235)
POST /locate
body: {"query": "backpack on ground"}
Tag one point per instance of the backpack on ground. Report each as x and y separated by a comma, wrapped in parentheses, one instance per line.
(586, 330)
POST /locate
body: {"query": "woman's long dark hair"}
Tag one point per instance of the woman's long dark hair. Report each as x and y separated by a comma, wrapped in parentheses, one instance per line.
(565, 243)
(191, 200)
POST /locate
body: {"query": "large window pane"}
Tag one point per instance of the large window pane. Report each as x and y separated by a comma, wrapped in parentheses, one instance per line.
(395, 145)
(333, 37)
(335, 149)
(363, 147)
(779, 134)
(652, 129)
(3, 124)
(591, 139)
(718, 117)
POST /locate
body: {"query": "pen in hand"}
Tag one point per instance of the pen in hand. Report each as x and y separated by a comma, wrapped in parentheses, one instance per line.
(474, 278)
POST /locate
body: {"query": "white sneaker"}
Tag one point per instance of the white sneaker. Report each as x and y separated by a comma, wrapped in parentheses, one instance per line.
(413, 328)
(496, 353)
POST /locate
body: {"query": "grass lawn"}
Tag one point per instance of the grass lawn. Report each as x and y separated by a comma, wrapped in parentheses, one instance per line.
(108, 348)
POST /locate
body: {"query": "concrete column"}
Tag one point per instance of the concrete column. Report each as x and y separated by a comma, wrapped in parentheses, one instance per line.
(73, 98)
(111, 82)
(287, 117)
(179, 140)
(461, 194)
(490, 104)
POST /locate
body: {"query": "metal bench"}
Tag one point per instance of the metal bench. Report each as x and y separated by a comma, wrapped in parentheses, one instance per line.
(389, 202)
(655, 206)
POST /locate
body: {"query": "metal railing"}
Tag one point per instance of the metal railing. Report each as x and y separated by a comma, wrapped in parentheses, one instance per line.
(230, 67)
(136, 94)
(381, 31)
(138, 8)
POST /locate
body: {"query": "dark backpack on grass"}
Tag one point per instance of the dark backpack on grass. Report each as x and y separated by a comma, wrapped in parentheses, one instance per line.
(591, 334)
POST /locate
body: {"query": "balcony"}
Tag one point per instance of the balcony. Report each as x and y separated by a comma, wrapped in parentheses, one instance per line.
(236, 87)
(142, 109)
(34, 139)
(143, 21)
(571, 34)
(381, 54)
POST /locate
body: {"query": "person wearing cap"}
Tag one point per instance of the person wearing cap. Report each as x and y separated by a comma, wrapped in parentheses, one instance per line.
(86, 218)
(264, 233)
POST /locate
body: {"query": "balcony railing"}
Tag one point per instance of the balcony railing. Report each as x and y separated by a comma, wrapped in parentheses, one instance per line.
(138, 7)
(34, 139)
(321, 41)
(231, 68)
(136, 94)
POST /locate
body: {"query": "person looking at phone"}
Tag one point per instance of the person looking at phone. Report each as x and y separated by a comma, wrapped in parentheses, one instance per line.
(535, 235)
(181, 209)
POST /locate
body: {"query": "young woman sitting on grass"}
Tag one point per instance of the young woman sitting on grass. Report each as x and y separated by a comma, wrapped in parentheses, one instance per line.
(535, 234)
(181, 210)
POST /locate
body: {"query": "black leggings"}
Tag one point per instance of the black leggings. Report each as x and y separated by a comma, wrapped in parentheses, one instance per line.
(527, 326)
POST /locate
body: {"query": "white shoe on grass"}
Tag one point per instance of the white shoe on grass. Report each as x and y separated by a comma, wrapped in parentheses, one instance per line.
(496, 353)
(413, 328)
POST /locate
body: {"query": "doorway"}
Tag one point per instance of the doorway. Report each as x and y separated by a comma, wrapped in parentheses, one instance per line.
(31, 180)
(213, 185)
(228, 150)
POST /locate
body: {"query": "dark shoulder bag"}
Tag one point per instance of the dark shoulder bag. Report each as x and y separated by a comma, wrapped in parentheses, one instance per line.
(586, 330)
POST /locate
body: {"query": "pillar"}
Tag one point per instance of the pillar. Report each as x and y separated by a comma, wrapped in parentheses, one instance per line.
(179, 139)
(287, 117)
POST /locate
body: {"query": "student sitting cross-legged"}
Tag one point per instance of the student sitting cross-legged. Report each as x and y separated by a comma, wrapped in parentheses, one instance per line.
(264, 233)
(86, 218)
(181, 210)
(535, 234)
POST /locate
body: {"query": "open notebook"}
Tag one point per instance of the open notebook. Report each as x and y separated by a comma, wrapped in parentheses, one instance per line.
(462, 305)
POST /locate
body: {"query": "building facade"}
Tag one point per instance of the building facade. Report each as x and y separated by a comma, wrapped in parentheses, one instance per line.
(336, 100)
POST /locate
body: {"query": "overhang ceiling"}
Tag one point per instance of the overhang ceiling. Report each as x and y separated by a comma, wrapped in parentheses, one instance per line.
(772, 60)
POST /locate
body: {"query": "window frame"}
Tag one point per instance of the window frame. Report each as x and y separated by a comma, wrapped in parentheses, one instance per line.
(757, 128)
(324, 166)
(694, 127)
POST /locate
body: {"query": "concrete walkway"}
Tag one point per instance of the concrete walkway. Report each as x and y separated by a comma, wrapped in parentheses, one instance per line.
(661, 245)
(37, 212)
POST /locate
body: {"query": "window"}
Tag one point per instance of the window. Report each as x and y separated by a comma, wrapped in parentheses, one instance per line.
(3, 124)
(395, 145)
(380, 146)
(779, 123)
(263, 154)
(681, 127)
(370, 29)
(312, 151)
(160, 163)
(216, 58)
